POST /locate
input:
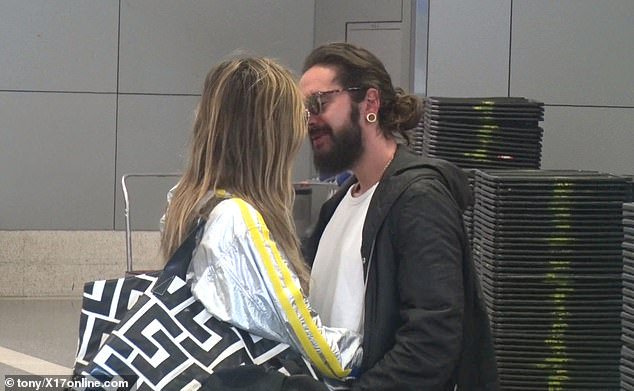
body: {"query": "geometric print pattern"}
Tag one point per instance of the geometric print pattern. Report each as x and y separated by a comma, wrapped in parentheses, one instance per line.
(103, 305)
(167, 340)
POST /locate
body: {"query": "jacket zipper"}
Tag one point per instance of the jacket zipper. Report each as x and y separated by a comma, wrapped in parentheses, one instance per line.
(365, 289)
(369, 263)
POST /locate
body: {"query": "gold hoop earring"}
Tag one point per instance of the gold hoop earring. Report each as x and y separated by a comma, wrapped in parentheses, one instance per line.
(371, 117)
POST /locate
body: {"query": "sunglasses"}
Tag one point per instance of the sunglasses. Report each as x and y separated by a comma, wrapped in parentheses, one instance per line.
(315, 102)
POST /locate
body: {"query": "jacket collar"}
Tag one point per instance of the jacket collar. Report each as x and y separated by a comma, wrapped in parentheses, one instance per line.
(387, 192)
(406, 168)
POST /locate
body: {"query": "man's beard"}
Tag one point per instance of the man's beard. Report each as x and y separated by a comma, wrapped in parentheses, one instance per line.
(345, 150)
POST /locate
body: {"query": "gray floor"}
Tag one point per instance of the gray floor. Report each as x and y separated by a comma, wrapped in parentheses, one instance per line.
(38, 335)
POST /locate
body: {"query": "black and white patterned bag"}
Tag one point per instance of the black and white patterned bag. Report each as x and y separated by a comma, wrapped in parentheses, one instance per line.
(150, 328)
(169, 341)
(104, 304)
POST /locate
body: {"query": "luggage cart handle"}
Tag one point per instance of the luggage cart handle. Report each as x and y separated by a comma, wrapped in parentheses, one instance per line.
(126, 199)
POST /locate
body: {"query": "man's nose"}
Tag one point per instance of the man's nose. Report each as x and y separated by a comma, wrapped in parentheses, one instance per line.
(313, 120)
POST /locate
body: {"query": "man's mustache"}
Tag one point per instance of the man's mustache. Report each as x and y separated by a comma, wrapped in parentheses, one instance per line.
(313, 130)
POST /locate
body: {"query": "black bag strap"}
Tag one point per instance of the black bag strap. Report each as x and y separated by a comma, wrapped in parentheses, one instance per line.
(179, 262)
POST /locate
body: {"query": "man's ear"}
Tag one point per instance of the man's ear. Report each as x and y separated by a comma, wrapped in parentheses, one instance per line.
(372, 101)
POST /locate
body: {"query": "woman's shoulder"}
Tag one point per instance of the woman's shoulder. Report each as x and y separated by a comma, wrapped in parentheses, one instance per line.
(233, 206)
(235, 213)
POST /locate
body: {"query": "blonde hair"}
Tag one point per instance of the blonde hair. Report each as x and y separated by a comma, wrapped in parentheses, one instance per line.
(249, 126)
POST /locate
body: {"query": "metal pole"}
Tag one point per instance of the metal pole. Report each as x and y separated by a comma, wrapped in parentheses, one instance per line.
(126, 199)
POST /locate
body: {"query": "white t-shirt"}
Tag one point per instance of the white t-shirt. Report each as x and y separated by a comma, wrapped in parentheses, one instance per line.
(336, 280)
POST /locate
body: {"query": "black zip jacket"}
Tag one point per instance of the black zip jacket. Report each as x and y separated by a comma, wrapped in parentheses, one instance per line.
(425, 324)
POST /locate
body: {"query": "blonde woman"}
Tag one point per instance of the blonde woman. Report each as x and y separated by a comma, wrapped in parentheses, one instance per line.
(247, 268)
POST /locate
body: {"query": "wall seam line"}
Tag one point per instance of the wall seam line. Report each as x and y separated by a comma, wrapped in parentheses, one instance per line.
(116, 122)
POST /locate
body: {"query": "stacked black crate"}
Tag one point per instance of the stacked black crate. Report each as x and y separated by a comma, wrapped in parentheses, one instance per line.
(627, 316)
(549, 248)
(484, 133)
(481, 133)
(417, 133)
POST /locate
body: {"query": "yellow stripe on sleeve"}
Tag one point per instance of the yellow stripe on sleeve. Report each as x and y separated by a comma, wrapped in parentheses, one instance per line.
(328, 363)
(305, 313)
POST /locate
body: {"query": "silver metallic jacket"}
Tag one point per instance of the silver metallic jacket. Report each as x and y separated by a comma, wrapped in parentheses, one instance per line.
(243, 278)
